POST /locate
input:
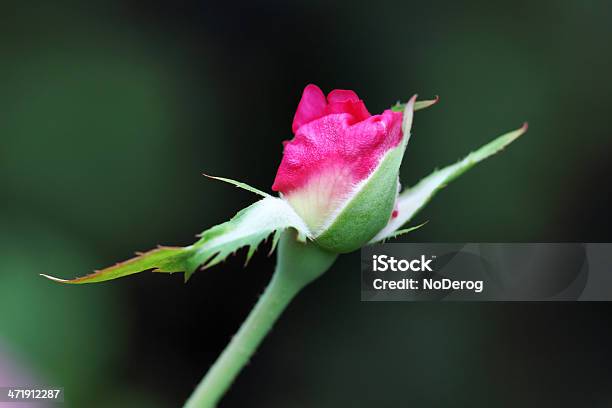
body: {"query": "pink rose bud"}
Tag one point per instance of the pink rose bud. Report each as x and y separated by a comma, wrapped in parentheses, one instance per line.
(340, 171)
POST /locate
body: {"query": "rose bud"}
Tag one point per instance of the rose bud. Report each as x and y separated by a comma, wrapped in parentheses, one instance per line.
(340, 171)
(339, 188)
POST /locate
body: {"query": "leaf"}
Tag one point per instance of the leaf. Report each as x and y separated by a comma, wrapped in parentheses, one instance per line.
(418, 105)
(248, 228)
(412, 200)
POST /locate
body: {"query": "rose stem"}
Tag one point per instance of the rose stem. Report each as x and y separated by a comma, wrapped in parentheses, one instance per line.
(298, 264)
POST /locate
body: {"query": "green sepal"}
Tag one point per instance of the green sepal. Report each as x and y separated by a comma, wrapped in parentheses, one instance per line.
(405, 231)
(368, 211)
(161, 259)
(239, 184)
(418, 105)
(413, 199)
(248, 228)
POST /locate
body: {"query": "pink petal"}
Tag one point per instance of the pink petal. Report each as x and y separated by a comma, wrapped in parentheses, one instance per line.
(342, 101)
(342, 95)
(329, 156)
(312, 106)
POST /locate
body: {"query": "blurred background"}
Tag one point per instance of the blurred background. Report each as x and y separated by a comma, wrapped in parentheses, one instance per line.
(110, 111)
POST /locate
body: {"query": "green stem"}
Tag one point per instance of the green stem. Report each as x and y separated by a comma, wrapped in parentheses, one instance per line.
(298, 264)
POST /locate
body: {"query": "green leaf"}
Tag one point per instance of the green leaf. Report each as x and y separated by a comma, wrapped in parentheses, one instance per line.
(248, 228)
(412, 200)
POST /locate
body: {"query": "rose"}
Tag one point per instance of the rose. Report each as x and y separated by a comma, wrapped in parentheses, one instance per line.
(338, 184)
(338, 181)
(339, 172)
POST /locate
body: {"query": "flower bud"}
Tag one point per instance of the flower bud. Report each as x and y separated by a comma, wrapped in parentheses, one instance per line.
(340, 171)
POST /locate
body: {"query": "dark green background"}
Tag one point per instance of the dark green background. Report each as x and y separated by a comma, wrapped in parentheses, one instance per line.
(110, 111)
